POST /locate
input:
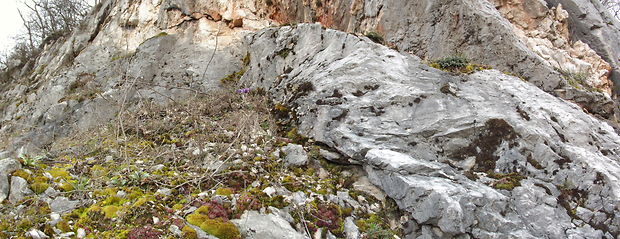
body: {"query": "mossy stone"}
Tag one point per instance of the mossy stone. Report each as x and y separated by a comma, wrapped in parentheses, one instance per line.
(39, 188)
(220, 228)
(110, 211)
(189, 233)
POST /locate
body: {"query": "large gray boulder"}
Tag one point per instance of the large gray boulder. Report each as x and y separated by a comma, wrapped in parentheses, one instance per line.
(436, 142)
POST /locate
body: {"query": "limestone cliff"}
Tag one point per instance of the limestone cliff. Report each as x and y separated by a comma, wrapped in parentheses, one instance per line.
(298, 119)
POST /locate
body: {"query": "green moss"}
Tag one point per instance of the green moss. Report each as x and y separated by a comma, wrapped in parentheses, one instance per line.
(293, 184)
(202, 210)
(122, 56)
(112, 200)
(196, 219)
(110, 211)
(40, 179)
(294, 136)
(39, 188)
(22, 174)
(220, 228)
(233, 78)
(59, 173)
(246, 59)
(98, 171)
(162, 34)
(63, 226)
(506, 181)
(189, 233)
(65, 186)
(177, 207)
(224, 191)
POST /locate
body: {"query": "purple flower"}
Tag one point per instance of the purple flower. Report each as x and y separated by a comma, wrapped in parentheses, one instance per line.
(243, 91)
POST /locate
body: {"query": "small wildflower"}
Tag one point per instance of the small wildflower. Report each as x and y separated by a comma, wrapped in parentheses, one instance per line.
(243, 91)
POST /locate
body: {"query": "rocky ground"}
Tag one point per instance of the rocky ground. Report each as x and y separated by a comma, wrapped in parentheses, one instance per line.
(228, 119)
(227, 164)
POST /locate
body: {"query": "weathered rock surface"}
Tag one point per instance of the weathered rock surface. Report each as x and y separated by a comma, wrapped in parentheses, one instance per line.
(295, 155)
(590, 23)
(545, 31)
(253, 224)
(7, 166)
(418, 142)
(126, 53)
(19, 189)
(351, 229)
(62, 205)
(435, 29)
(36, 234)
(483, 155)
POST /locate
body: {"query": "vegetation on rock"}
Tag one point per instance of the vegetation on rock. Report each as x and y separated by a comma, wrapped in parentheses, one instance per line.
(457, 64)
(200, 162)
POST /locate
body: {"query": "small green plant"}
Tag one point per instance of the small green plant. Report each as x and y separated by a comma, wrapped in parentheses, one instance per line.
(452, 62)
(375, 37)
(377, 232)
(118, 181)
(284, 52)
(28, 161)
(81, 184)
(575, 79)
(457, 64)
(138, 176)
(506, 181)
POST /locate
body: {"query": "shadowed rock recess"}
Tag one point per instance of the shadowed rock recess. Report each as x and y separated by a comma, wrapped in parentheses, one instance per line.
(317, 119)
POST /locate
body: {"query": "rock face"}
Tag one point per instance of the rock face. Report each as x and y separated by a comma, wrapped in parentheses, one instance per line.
(474, 28)
(129, 52)
(448, 148)
(125, 56)
(481, 155)
(590, 23)
(545, 32)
